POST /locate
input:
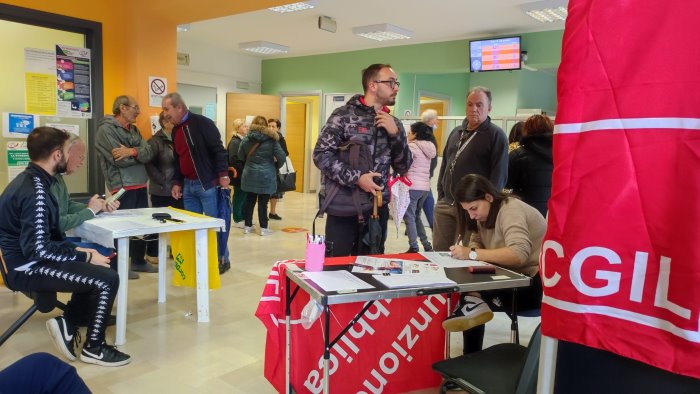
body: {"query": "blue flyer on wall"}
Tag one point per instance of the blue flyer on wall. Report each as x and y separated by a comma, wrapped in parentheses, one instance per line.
(21, 123)
(73, 82)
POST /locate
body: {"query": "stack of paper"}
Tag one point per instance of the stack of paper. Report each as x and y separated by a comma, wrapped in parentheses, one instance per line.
(445, 260)
(425, 280)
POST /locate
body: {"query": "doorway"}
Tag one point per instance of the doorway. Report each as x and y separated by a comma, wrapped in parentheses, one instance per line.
(441, 104)
(301, 125)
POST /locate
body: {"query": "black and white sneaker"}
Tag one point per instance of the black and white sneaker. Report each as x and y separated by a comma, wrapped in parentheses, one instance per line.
(470, 313)
(66, 339)
(105, 355)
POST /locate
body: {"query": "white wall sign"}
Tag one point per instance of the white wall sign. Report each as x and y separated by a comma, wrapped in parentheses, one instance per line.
(17, 158)
(70, 128)
(157, 89)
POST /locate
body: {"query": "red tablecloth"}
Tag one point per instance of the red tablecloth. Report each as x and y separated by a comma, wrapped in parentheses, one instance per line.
(389, 350)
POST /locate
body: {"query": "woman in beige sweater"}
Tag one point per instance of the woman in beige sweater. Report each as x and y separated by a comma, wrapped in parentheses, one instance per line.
(506, 232)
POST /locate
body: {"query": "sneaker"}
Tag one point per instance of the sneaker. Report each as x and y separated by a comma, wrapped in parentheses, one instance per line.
(471, 313)
(151, 259)
(265, 231)
(133, 275)
(275, 216)
(412, 250)
(105, 355)
(240, 224)
(247, 230)
(145, 267)
(64, 338)
(225, 266)
(428, 247)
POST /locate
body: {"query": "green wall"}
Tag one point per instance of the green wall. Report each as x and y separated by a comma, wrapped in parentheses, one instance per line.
(534, 90)
(440, 67)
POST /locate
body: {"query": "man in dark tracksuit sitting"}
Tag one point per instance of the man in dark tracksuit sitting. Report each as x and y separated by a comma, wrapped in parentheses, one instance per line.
(36, 256)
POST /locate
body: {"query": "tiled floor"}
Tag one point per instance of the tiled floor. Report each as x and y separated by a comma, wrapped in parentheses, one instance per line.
(172, 352)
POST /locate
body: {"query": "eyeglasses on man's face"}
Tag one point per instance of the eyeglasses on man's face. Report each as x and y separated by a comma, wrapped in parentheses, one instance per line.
(390, 82)
(136, 107)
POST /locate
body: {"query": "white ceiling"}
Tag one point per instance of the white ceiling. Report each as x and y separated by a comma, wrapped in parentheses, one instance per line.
(430, 21)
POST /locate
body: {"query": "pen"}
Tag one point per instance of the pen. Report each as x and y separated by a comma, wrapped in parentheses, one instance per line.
(456, 244)
(374, 268)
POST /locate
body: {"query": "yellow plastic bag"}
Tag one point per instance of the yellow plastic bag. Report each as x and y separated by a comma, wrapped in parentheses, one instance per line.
(183, 246)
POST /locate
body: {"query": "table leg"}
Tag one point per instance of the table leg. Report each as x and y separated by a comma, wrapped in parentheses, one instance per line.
(123, 270)
(326, 347)
(288, 335)
(548, 365)
(202, 267)
(162, 260)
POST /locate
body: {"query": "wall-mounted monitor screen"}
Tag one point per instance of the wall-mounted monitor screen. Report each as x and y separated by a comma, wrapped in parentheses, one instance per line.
(494, 55)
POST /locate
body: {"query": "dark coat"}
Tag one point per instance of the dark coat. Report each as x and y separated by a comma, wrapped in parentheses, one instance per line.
(235, 160)
(530, 171)
(260, 171)
(208, 153)
(162, 167)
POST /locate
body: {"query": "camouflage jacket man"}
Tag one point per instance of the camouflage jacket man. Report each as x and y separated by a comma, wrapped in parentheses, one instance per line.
(356, 121)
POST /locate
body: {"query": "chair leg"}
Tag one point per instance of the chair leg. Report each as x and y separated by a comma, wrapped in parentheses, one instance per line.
(17, 324)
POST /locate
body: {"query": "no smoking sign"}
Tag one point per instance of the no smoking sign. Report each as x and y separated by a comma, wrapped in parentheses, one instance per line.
(157, 89)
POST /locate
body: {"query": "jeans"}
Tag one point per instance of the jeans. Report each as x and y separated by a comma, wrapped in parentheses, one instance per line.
(428, 208)
(198, 200)
(238, 203)
(414, 225)
(262, 200)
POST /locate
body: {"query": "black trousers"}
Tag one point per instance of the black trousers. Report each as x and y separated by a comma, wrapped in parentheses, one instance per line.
(133, 199)
(250, 200)
(502, 301)
(344, 234)
(94, 289)
(166, 201)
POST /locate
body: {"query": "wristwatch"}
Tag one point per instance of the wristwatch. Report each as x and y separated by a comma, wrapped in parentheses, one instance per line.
(472, 254)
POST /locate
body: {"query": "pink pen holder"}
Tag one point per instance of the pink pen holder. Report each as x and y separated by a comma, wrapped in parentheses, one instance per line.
(315, 256)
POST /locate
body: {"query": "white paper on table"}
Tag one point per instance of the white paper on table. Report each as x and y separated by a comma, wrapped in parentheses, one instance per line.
(378, 265)
(337, 280)
(445, 260)
(426, 280)
(124, 225)
(119, 214)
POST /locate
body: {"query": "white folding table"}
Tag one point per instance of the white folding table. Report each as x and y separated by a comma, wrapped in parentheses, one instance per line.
(122, 224)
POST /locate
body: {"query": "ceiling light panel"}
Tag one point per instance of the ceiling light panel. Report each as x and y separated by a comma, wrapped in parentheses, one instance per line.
(300, 6)
(546, 11)
(263, 47)
(382, 32)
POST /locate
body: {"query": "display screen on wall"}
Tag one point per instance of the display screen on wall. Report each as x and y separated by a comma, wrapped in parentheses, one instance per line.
(494, 55)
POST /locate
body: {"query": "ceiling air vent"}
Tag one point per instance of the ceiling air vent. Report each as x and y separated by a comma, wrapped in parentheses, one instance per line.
(183, 59)
(242, 85)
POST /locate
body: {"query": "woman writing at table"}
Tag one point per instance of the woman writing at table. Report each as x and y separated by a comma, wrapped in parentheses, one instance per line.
(506, 232)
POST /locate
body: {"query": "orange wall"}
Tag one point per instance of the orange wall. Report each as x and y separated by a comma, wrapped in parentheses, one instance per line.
(140, 39)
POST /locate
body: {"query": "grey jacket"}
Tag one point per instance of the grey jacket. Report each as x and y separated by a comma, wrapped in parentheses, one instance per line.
(162, 168)
(260, 171)
(126, 172)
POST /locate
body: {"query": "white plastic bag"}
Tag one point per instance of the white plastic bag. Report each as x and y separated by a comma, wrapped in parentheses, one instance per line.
(310, 313)
(399, 199)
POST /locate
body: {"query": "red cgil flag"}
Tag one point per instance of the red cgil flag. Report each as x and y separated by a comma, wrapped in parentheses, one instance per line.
(621, 258)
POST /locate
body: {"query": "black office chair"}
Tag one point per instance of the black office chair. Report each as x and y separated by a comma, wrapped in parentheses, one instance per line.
(506, 368)
(44, 302)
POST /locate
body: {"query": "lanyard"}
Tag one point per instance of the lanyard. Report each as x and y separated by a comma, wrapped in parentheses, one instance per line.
(459, 152)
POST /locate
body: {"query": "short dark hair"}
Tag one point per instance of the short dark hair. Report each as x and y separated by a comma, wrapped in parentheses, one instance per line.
(422, 131)
(369, 73)
(43, 141)
(277, 121)
(473, 187)
(538, 124)
(516, 132)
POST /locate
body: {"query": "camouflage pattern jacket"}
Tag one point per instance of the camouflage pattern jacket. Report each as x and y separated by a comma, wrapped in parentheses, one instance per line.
(355, 121)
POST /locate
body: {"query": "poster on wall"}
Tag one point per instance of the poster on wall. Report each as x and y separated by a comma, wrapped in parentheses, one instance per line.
(16, 125)
(73, 82)
(39, 81)
(17, 158)
(157, 89)
(68, 128)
